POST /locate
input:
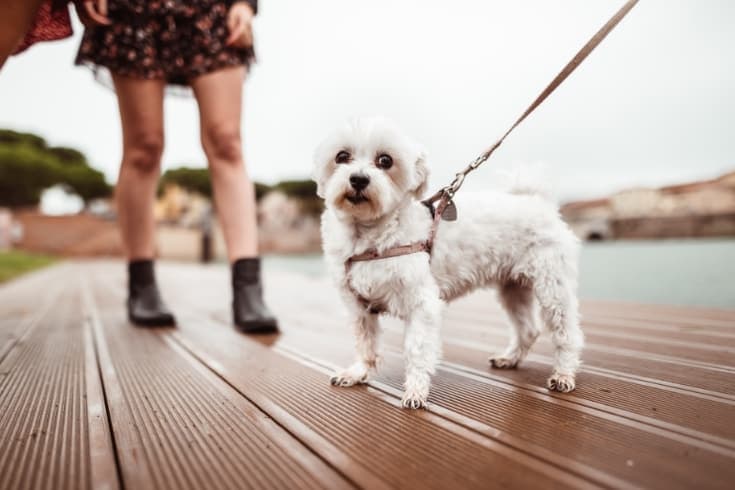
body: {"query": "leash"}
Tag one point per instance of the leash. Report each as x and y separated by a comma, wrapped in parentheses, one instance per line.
(446, 209)
(447, 192)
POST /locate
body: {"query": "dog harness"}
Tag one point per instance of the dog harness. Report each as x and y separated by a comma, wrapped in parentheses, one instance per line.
(445, 204)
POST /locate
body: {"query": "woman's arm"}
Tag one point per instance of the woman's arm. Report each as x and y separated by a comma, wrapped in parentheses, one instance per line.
(92, 12)
(239, 22)
(253, 4)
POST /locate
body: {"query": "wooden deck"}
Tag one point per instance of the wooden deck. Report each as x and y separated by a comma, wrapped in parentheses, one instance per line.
(88, 401)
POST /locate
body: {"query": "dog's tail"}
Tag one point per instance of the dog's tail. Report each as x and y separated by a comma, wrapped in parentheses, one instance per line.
(531, 180)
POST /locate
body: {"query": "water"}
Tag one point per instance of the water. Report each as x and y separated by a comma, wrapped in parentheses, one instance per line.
(677, 272)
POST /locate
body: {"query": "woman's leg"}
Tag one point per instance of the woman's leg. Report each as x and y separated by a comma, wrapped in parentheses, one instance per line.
(219, 95)
(16, 17)
(141, 115)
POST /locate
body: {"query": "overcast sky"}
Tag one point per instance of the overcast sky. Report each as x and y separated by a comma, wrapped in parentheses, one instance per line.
(654, 104)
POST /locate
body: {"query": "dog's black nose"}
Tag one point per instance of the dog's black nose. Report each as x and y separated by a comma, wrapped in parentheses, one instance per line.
(359, 181)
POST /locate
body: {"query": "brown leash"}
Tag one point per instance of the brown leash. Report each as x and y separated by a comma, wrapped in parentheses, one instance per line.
(452, 188)
(446, 209)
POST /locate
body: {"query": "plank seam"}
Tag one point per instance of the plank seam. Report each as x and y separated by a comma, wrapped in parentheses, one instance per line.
(92, 315)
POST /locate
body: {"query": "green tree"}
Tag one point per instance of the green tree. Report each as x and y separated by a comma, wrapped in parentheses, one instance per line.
(192, 179)
(261, 190)
(305, 192)
(69, 156)
(28, 166)
(87, 182)
(199, 180)
(10, 137)
(24, 174)
(305, 189)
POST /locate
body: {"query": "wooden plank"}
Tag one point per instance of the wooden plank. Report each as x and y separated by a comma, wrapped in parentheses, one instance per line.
(177, 425)
(707, 378)
(42, 405)
(621, 343)
(21, 305)
(649, 430)
(679, 315)
(682, 314)
(678, 410)
(599, 435)
(103, 466)
(364, 436)
(676, 404)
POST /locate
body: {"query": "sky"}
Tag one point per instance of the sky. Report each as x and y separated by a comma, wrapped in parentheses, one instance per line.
(653, 105)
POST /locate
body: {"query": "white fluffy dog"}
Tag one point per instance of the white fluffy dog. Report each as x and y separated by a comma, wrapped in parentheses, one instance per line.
(372, 177)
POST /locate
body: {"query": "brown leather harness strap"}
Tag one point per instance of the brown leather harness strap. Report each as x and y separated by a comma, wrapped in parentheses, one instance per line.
(372, 254)
(397, 251)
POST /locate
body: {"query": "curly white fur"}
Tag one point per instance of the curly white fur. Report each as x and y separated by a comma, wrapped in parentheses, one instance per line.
(514, 241)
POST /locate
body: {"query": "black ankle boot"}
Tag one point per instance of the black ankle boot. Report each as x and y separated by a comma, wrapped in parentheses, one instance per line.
(145, 306)
(248, 310)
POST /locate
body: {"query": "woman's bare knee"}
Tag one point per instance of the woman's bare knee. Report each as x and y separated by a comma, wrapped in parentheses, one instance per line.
(222, 144)
(144, 152)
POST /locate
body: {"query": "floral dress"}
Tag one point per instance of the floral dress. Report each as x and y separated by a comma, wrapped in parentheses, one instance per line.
(50, 24)
(172, 40)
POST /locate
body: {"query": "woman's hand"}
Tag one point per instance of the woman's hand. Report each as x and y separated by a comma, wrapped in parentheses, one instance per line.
(239, 22)
(93, 12)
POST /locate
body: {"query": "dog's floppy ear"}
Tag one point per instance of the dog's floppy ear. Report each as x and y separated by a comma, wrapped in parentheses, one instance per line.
(421, 175)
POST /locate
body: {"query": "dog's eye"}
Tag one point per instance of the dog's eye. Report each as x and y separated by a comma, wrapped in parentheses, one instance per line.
(385, 161)
(342, 157)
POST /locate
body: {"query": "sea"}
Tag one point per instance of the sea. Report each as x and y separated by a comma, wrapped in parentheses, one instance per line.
(697, 272)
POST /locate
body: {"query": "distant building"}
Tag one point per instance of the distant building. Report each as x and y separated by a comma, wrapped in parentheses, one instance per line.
(181, 207)
(697, 209)
(6, 229)
(590, 220)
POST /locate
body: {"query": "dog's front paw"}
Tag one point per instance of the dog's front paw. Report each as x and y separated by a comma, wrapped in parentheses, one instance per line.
(350, 376)
(502, 362)
(413, 402)
(414, 399)
(561, 382)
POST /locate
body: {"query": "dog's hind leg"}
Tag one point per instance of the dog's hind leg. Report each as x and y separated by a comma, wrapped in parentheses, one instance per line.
(518, 302)
(560, 312)
(366, 335)
(422, 350)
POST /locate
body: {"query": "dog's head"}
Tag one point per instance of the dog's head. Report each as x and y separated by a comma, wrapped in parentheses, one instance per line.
(367, 168)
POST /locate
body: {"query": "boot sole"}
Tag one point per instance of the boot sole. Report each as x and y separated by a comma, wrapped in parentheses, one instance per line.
(153, 322)
(257, 327)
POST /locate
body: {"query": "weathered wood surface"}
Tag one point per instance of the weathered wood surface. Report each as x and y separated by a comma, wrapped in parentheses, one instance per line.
(88, 401)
